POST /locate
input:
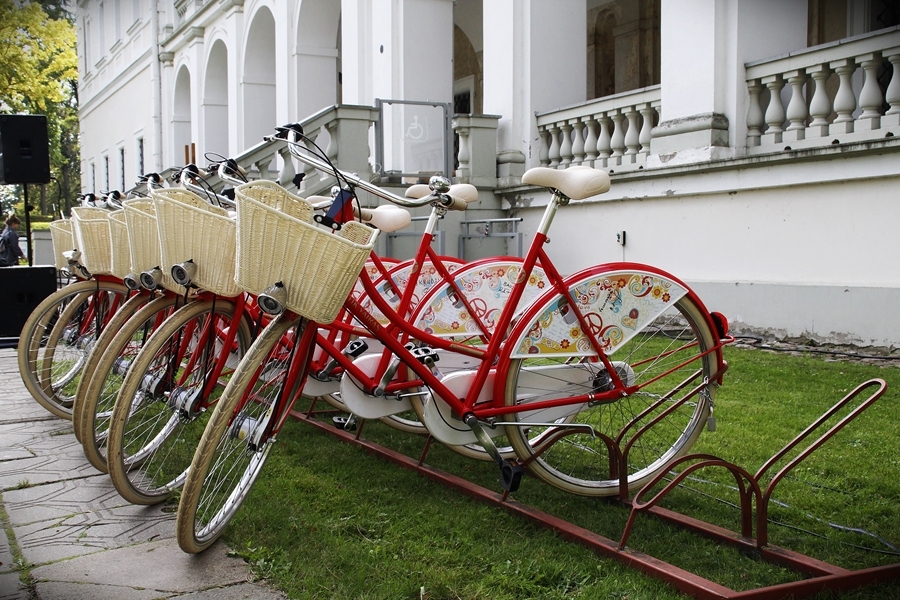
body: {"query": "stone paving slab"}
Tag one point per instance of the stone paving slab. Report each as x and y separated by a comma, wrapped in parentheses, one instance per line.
(159, 566)
(10, 588)
(88, 531)
(43, 469)
(54, 590)
(21, 433)
(84, 540)
(244, 591)
(14, 453)
(62, 499)
(6, 557)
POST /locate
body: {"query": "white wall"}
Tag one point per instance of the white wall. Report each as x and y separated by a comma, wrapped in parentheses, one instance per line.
(534, 61)
(785, 246)
(111, 120)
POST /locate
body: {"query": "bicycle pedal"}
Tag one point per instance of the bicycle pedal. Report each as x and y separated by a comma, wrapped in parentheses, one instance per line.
(511, 475)
(425, 355)
(345, 423)
(355, 348)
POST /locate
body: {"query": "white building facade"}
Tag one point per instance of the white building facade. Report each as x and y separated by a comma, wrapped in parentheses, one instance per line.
(753, 144)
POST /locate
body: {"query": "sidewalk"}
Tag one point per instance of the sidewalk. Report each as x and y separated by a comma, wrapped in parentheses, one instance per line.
(80, 538)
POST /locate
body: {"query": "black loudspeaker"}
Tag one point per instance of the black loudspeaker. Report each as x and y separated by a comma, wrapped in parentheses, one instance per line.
(21, 290)
(24, 149)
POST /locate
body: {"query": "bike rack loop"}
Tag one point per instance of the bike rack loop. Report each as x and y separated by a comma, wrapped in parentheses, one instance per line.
(822, 575)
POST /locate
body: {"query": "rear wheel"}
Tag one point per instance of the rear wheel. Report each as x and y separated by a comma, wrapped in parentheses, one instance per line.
(232, 451)
(163, 405)
(665, 360)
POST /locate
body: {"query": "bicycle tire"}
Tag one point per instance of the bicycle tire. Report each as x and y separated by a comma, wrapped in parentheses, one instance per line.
(51, 378)
(225, 466)
(152, 439)
(97, 397)
(579, 463)
(109, 332)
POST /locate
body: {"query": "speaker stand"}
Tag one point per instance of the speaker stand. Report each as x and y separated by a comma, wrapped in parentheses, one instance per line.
(28, 226)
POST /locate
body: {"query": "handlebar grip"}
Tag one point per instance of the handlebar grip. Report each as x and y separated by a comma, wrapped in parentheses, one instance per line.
(320, 201)
(451, 203)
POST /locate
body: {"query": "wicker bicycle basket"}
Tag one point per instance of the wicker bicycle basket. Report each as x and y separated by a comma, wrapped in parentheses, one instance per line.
(191, 228)
(121, 250)
(278, 241)
(143, 238)
(63, 241)
(90, 227)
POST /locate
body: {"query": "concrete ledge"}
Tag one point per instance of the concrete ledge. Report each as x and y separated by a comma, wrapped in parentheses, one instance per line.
(686, 133)
(819, 312)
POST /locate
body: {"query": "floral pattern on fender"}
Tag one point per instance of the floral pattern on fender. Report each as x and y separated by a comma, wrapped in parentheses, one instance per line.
(615, 306)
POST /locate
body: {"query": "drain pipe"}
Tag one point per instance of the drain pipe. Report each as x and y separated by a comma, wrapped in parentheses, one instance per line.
(156, 78)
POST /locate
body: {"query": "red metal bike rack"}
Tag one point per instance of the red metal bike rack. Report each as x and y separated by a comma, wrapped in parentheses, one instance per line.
(754, 503)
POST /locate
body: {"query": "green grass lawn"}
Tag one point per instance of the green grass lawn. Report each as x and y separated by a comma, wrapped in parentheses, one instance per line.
(327, 520)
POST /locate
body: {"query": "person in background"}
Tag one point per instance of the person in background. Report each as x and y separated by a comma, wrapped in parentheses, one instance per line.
(10, 237)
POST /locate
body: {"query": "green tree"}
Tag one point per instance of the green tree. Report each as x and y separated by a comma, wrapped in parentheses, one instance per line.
(39, 75)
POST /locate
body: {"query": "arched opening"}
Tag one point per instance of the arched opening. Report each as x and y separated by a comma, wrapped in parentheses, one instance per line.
(623, 46)
(258, 79)
(605, 55)
(181, 116)
(468, 74)
(215, 101)
(318, 56)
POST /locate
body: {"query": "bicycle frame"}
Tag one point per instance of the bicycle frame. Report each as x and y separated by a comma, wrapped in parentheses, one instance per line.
(395, 336)
(424, 254)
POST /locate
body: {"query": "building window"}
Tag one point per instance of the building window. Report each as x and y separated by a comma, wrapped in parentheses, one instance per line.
(93, 178)
(117, 18)
(87, 45)
(101, 17)
(106, 173)
(623, 47)
(122, 168)
(140, 156)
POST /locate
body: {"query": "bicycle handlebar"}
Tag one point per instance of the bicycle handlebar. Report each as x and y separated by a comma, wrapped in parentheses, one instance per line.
(447, 201)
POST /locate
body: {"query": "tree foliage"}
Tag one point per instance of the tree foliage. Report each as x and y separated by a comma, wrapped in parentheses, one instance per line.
(39, 75)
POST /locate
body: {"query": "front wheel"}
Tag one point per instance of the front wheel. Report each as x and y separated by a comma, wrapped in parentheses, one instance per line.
(666, 359)
(96, 395)
(58, 336)
(163, 405)
(233, 450)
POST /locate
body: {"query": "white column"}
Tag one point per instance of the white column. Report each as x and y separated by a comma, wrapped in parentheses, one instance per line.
(284, 79)
(315, 54)
(704, 47)
(397, 49)
(357, 51)
(692, 99)
(233, 25)
(197, 59)
(527, 69)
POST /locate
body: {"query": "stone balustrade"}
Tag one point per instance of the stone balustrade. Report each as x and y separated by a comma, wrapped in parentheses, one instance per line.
(342, 132)
(826, 95)
(612, 132)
